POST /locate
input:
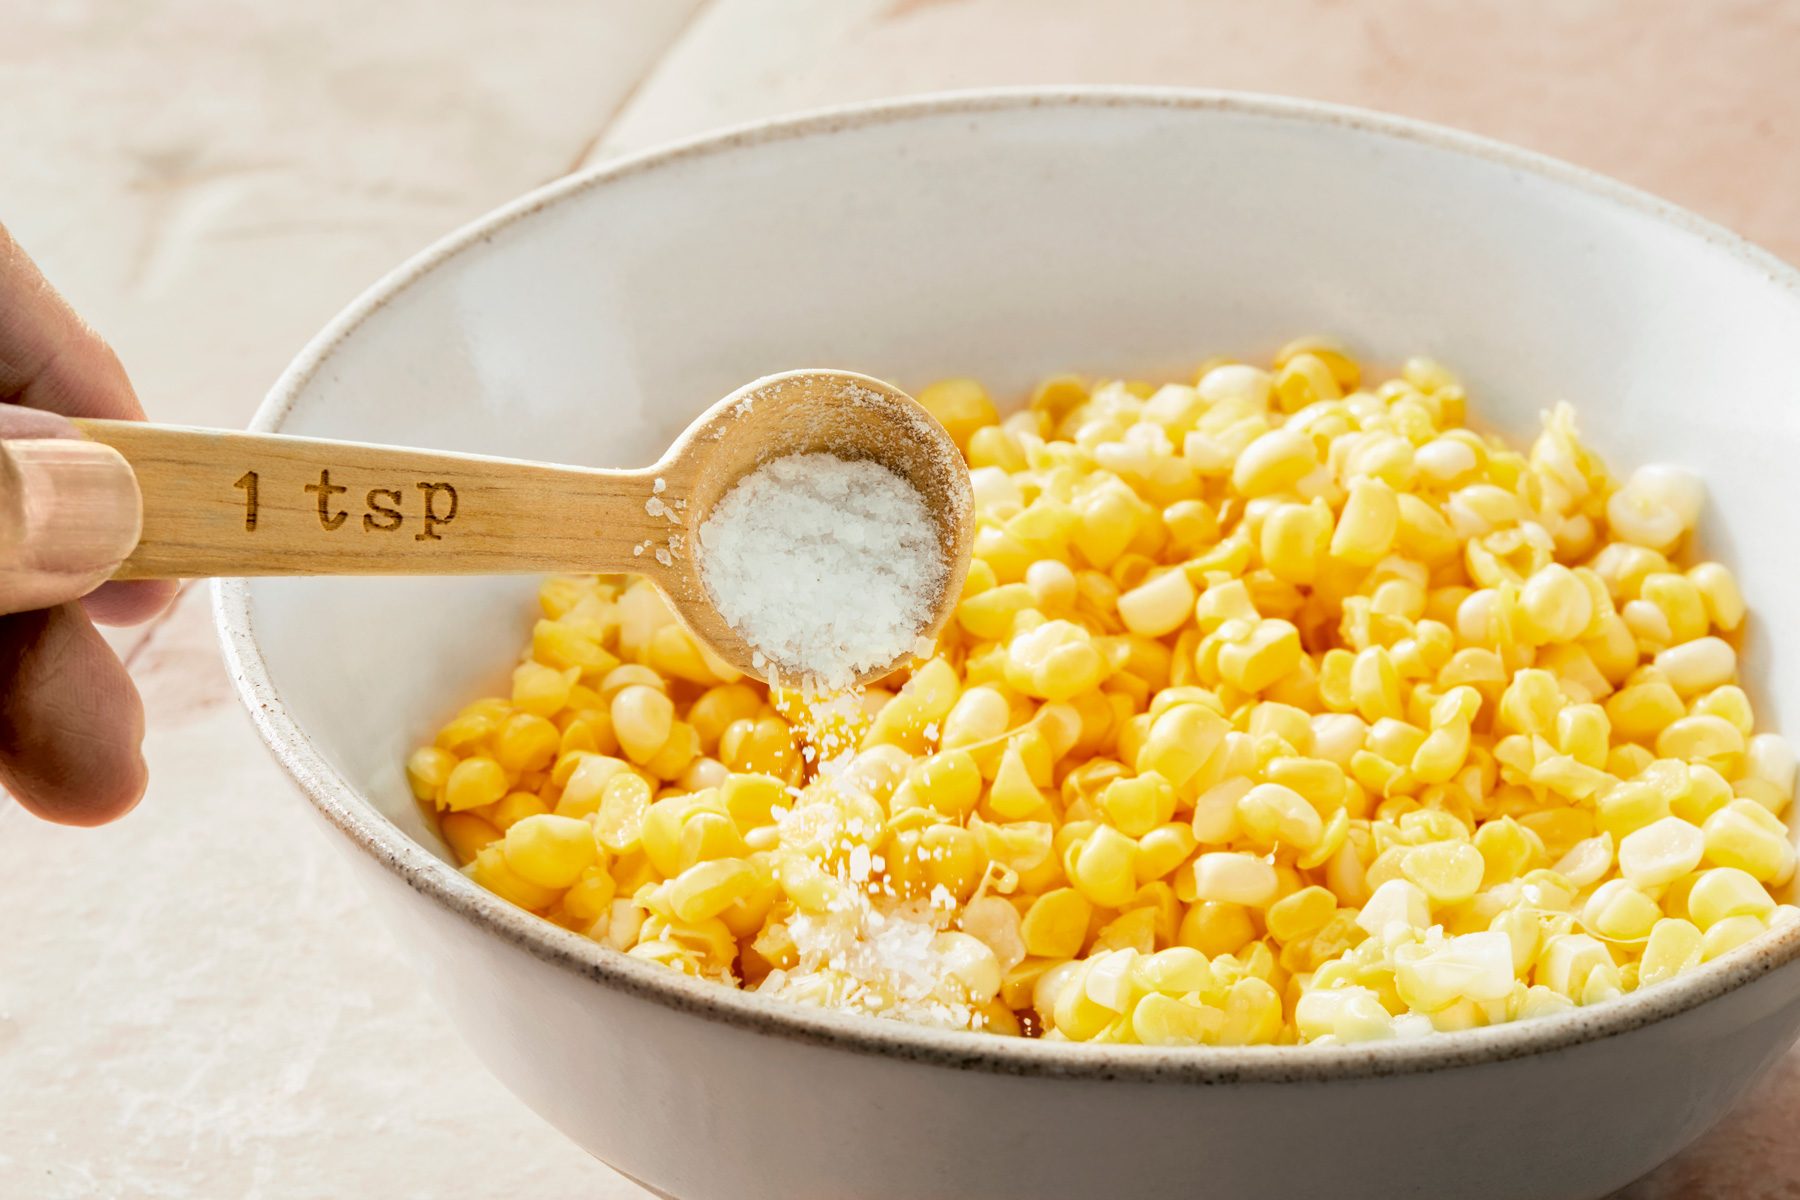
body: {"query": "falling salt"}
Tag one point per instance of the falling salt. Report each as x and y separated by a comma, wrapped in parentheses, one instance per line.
(827, 567)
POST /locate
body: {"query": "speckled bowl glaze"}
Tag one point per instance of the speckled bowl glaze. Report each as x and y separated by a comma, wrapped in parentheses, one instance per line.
(1006, 235)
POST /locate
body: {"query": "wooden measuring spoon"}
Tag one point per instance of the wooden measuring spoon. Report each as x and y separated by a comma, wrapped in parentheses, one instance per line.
(218, 502)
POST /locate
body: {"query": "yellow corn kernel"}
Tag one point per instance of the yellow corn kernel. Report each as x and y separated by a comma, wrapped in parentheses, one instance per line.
(1052, 585)
(526, 743)
(1719, 592)
(1620, 911)
(428, 770)
(1158, 606)
(1474, 966)
(550, 851)
(466, 834)
(1274, 462)
(949, 782)
(619, 821)
(1367, 527)
(1729, 934)
(1554, 606)
(1103, 867)
(1108, 520)
(1507, 850)
(1295, 539)
(764, 746)
(680, 748)
(1162, 850)
(1643, 710)
(1056, 924)
(1698, 665)
(1270, 652)
(1273, 813)
(542, 690)
(1661, 852)
(1713, 741)
(1625, 760)
(1725, 892)
(1235, 878)
(1136, 806)
(1745, 835)
(514, 807)
(1014, 796)
(990, 614)
(1303, 379)
(473, 783)
(1568, 960)
(1375, 685)
(1216, 928)
(1054, 661)
(491, 871)
(584, 778)
(590, 896)
(1731, 705)
(992, 446)
(1629, 807)
(1673, 947)
(1447, 872)
(1332, 355)
(961, 406)
(1302, 913)
(1181, 741)
(707, 889)
(642, 718)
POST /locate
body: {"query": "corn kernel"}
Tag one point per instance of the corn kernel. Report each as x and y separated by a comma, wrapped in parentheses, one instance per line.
(961, 406)
(1729, 934)
(550, 851)
(1661, 852)
(473, 783)
(1447, 872)
(1725, 892)
(1235, 878)
(1103, 867)
(1673, 947)
(1056, 924)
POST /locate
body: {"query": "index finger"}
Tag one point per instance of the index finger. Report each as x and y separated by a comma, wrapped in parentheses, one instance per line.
(50, 359)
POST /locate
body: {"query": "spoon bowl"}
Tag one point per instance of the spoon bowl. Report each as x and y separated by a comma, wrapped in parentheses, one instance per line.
(808, 412)
(219, 502)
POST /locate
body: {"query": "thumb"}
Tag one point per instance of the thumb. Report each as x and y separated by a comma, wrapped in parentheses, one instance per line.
(69, 514)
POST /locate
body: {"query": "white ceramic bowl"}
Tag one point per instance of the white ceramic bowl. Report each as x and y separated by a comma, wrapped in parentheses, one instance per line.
(1007, 235)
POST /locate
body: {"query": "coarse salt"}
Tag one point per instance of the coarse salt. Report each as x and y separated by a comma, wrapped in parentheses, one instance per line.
(828, 567)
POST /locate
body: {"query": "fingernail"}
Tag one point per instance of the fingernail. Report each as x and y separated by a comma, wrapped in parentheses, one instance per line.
(79, 513)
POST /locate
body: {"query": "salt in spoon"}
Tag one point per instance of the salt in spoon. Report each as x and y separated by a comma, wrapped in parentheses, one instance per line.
(220, 502)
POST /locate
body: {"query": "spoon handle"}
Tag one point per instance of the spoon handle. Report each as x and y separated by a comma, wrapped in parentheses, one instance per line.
(221, 502)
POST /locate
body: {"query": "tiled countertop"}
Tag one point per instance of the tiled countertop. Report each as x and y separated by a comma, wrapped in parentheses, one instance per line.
(193, 1002)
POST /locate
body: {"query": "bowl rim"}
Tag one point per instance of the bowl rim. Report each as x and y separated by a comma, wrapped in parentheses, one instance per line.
(343, 806)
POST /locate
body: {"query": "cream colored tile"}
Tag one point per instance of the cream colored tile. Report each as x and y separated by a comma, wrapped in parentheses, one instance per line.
(1691, 101)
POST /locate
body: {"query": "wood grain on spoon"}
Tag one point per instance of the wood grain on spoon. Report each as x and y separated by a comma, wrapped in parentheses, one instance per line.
(218, 502)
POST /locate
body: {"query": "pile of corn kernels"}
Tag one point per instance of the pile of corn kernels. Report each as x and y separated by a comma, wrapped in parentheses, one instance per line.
(1280, 707)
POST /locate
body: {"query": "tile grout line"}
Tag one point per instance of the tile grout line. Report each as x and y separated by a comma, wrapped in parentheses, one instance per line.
(631, 93)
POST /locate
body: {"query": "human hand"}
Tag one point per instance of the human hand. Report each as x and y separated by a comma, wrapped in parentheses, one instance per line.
(71, 722)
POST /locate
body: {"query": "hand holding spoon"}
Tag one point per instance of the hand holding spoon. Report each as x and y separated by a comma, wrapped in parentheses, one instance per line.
(217, 502)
